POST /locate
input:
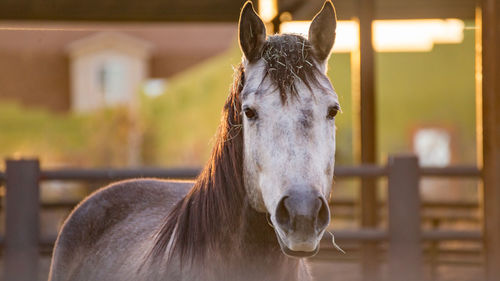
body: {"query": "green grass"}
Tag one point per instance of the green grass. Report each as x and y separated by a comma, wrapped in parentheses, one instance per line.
(38, 133)
(64, 139)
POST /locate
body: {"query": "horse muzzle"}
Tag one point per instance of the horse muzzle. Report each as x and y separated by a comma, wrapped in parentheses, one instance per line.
(301, 217)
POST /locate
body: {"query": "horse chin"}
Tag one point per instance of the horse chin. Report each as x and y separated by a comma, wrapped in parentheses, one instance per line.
(296, 254)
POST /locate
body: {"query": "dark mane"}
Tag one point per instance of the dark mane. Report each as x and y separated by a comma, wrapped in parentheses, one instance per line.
(289, 58)
(218, 191)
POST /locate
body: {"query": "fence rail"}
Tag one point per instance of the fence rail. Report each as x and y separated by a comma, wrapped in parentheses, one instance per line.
(117, 174)
(404, 234)
(464, 205)
(191, 173)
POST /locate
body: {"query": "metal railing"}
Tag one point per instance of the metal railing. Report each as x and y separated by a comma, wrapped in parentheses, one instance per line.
(403, 235)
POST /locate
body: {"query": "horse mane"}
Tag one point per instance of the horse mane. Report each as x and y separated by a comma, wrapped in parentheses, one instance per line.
(290, 58)
(217, 193)
(189, 229)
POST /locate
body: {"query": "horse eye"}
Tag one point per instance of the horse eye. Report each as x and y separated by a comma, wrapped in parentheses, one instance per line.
(332, 111)
(250, 113)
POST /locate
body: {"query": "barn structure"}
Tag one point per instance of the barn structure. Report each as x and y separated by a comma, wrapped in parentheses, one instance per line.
(486, 13)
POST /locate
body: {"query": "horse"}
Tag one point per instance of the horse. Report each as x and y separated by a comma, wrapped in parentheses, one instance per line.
(259, 206)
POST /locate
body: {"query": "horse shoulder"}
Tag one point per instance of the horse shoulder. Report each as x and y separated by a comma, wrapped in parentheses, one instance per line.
(120, 215)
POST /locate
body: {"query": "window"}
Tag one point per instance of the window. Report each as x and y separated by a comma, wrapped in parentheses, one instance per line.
(432, 145)
(112, 83)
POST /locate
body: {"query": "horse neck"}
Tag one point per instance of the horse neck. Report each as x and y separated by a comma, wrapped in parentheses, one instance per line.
(256, 233)
(216, 217)
(252, 253)
(260, 250)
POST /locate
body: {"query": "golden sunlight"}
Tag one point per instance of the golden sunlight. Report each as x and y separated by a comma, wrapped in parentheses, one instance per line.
(268, 9)
(391, 35)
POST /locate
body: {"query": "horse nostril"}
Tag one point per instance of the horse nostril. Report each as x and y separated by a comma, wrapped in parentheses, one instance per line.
(302, 213)
(323, 218)
(282, 213)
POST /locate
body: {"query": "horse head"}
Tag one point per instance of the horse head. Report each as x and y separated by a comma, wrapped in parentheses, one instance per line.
(289, 106)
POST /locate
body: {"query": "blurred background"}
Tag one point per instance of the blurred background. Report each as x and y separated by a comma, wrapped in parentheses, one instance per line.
(128, 84)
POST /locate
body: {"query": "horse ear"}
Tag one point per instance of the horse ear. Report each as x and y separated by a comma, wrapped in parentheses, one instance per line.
(322, 31)
(252, 33)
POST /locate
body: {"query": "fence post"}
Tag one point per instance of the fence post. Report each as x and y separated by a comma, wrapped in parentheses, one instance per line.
(22, 220)
(405, 256)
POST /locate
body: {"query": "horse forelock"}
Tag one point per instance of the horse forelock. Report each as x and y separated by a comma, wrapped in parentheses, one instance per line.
(189, 230)
(289, 59)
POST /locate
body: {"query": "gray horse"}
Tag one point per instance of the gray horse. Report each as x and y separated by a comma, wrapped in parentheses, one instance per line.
(260, 204)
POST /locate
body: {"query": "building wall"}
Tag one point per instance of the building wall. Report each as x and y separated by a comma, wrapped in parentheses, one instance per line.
(166, 65)
(38, 79)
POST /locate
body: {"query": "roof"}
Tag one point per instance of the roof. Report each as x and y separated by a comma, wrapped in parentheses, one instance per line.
(218, 10)
(386, 9)
(103, 41)
(54, 37)
(122, 10)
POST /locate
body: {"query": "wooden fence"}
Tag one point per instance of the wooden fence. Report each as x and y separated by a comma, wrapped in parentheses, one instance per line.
(403, 235)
